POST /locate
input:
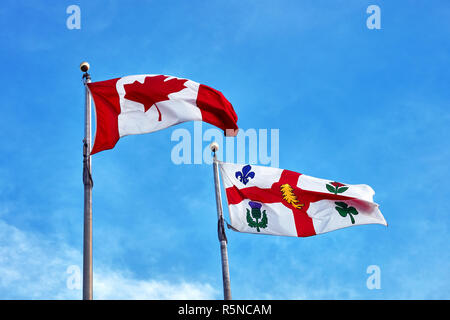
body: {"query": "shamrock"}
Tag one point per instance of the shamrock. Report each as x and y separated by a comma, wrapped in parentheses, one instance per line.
(345, 210)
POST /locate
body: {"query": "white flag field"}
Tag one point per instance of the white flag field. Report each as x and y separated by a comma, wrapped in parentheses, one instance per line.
(266, 200)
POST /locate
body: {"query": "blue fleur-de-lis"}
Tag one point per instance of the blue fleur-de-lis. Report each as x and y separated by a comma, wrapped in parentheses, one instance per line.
(246, 174)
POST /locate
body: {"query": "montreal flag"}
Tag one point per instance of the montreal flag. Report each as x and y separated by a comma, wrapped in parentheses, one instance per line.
(266, 200)
(147, 103)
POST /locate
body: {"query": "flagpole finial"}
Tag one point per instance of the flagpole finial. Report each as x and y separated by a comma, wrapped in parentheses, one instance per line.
(214, 146)
(84, 66)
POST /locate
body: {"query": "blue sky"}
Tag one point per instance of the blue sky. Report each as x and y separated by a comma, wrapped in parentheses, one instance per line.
(351, 104)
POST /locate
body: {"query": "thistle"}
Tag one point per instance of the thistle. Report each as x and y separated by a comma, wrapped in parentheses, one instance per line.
(256, 214)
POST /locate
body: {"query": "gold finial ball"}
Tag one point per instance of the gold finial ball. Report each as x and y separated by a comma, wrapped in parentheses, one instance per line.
(84, 66)
(214, 146)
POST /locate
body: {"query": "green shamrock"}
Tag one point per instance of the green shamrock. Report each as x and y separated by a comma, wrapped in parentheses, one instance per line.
(345, 210)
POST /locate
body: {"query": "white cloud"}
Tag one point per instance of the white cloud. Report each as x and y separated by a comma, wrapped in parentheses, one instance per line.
(114, 285)
(33, 266)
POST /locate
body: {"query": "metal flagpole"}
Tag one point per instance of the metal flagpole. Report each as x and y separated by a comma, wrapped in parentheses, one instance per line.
(220, 229)
(88, 184)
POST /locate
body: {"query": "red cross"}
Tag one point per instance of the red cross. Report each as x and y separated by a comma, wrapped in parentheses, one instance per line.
(303, 223)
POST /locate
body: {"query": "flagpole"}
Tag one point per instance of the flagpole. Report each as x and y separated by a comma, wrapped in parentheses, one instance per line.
(88, 184)
(221, 230)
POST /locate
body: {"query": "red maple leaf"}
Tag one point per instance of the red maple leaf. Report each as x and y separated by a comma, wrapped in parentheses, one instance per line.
(153, 90)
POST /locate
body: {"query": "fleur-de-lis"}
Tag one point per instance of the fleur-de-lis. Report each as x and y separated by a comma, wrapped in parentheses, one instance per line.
(246, 174)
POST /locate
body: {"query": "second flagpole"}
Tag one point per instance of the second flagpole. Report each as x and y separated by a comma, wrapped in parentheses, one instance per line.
(220, 227)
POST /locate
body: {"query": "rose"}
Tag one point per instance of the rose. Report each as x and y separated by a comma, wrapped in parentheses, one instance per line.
(336, 187)
(337, 184)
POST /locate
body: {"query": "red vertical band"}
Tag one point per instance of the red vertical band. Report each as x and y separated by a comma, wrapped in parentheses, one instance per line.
(303, 222)
(107, 110)
(216, 109)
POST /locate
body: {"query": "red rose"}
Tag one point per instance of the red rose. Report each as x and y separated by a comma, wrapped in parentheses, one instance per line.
(337, 184)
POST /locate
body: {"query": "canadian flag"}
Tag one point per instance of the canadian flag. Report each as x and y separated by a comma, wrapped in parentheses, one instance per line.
(147, 103)
(266, 200)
